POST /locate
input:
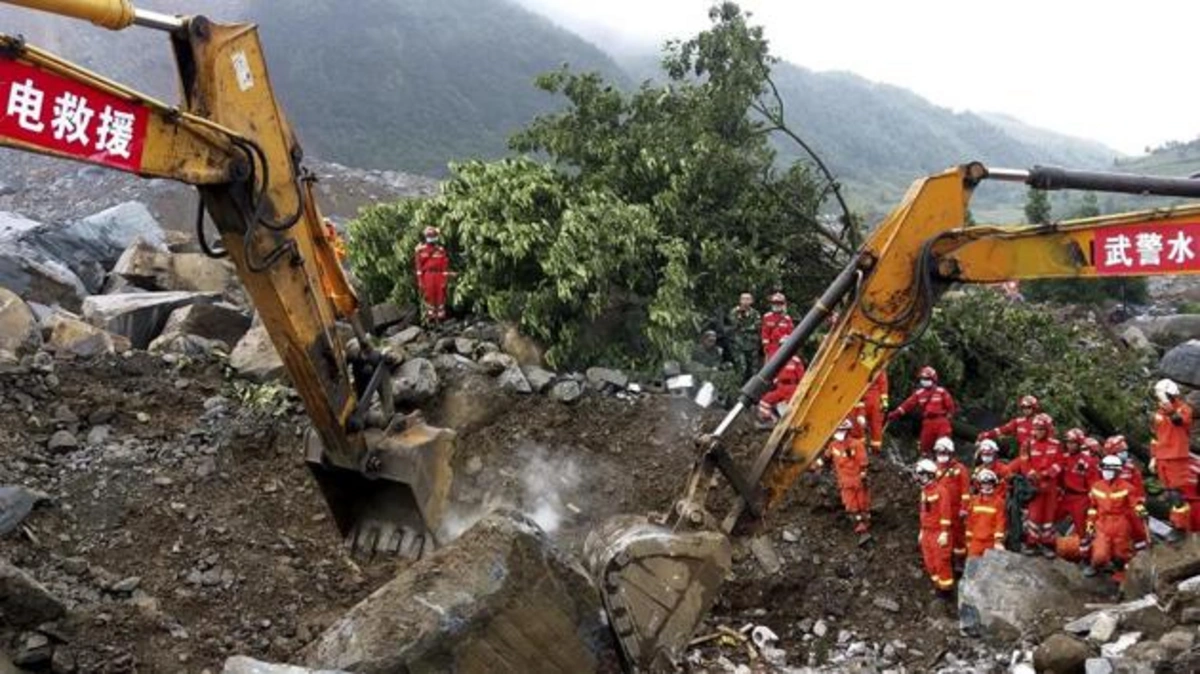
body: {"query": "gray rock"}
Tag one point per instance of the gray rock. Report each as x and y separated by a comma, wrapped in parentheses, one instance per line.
(1061, 654)
(98, 435)
(1182, 363)
(671, 368)
(600, 378)
(484, 348)
(240, 664)
(62, 442)
(501, 598)
(63, 661)
(33, 649)
(255, 357)
(74, 337)
(820, 629)
(126, 585)
(1104, 628)
(221, 321)
(19, 330)
(1118, 648)
(156, 268)
(1159, 568)
(539, 378)
(1083, 625)
(1098, 666)
(1190, 615)
(386, 314)
(192, 346)
(1002, 592)
(15, 505)
(416, 382)
(139, 316)
(474, 466)
(887, 603)
(512, 380)
(23, 601)
(406, 336)
(1178, 641)
(48, 282)
(1166, 331)
(525, 349)
(470, 401)
(1135, 339)
(1148, 653)
(464, 346)
(567, 391)
(495, 363)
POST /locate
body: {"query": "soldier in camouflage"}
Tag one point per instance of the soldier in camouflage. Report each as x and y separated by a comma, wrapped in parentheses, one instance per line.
(745, 323)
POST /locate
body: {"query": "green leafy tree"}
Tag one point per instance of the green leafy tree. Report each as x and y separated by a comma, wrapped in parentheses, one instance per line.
(654, 209)
(1037, 207)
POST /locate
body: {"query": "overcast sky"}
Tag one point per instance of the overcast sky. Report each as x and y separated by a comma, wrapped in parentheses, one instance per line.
(1123, 73)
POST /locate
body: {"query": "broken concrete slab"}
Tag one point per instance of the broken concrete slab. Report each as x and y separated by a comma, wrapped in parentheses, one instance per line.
(19, 331)
(240, 664)
(1004, 594)
(139, 316)
(23, 600)
(501, 598)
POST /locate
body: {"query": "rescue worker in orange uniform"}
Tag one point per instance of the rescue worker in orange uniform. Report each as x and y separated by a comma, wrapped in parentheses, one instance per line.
(1080, 470)
(958, 484)
(1019, 427)
(858, 421)
(335, 240)
(849, 457)
(785, 385)
(1170, 452)
(988, 458)
(1040, 463)
(937, 518)
(1112, 508)
(935, 404)
(876, 403)
(1131, 472)
(776, 325)
(433, 271)
(986, 522)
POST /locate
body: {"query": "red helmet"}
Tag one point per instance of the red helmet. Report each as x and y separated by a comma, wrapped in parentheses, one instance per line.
(1115, 445)
(777, 298)
(1075, 435)
(1028, 401)
(928, 373)
(431, 231)
(1043, 420)
(1092, 445)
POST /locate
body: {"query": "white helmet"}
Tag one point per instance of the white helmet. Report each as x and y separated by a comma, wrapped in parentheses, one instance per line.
(926, 470)
(944, 445)
(988, 446)
(1111, 462)
(986, 476)
(845, 425)
(1165, 389)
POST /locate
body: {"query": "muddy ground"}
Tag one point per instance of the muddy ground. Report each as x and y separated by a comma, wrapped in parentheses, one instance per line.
(193, 531)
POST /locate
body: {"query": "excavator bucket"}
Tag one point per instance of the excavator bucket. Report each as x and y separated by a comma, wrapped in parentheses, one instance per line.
(394, 505)
(656, 585)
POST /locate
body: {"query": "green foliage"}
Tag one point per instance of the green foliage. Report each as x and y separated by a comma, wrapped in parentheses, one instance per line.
(989, 351)
(269, 399)
(376, 260)
(1037, 207)
(658, 208)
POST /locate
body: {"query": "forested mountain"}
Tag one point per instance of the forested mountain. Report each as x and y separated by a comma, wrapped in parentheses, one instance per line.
(413, 84)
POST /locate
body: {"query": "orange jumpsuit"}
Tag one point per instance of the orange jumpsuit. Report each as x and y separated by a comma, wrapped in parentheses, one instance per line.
(335, 241)
(776, 326)
(1170, 448)
(1132, 474)
(958, 485)
(433, 267)
(858, 421)
(1111, 509)
(1080, 471)
(785, 385)
(936, 518)
(849, 458)
(875, 402)
(1040, 462)
(936, 406)
(986, 522)
(1020, 428)
(1002, 471)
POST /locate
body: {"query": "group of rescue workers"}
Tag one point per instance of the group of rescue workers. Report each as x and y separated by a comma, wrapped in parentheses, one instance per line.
(1078, 498)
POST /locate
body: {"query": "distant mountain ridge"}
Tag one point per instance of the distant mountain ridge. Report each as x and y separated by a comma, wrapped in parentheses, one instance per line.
(412, 84)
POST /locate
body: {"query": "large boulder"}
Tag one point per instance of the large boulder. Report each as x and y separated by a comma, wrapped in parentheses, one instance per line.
(240, 664)
(1182, 363)
(23, 600)
(19, 331)
(156, 268)
(1159, 568)
(71, 336)
(1004, 594)
(139, 316)
(1167, 331)
(1062, 654)
(501, 598)
(220, 321)
(416, 382)
(470, 401)
(255, 357)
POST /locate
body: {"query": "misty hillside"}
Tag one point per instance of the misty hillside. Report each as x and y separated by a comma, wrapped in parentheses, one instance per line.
(412, 84)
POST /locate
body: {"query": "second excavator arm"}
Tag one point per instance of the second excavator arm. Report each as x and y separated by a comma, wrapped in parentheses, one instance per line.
(658, 577)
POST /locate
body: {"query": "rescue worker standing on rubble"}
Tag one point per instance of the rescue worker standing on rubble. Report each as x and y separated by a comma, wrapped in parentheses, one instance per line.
(849, 457)
(937, 519)
(875, 403)
(957, 479)
(745, 324)
(1108, 533)
(1019, 427)
(986, 523)
(776, 325)
(785, 385)
(1041, 462)
(1170, 451)
(935, 404)
(1131, 473)
(433, 271)
(987, 457)
(1080, 470)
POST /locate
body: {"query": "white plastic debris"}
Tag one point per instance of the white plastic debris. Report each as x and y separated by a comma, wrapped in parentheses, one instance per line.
(680, 382)
(706, 395)
(762, 636)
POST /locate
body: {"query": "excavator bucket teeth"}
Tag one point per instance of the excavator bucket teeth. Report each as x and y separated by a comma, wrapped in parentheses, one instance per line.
(656, 585)
(395, 507)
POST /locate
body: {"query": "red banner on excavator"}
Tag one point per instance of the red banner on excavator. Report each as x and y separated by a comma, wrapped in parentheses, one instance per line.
(60, 115)
(1148, 248)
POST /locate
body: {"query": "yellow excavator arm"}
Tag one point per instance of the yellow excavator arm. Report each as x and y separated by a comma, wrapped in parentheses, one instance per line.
(386, 478)
(657, 579)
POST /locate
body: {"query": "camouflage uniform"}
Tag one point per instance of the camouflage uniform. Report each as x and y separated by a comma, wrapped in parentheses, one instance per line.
(745, 326)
